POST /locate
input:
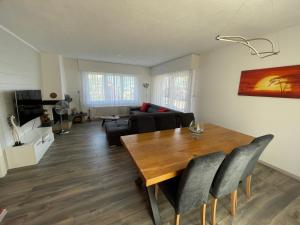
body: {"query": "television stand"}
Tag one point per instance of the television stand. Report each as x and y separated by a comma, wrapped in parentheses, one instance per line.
(36, 143)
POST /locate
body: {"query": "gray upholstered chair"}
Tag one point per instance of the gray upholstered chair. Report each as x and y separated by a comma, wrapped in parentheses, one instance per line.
(229, 175)
(191, 189)
(262, 141)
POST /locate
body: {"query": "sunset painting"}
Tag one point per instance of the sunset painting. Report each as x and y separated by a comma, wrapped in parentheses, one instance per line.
(281, 82)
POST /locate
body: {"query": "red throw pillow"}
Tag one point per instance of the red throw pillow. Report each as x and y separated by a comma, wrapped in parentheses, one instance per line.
(145, 107)
(161, 109)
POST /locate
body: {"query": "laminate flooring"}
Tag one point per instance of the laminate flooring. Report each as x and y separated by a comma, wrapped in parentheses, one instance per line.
(80, 180)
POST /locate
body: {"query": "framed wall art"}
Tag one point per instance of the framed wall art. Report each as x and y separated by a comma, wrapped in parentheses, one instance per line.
(283, 82)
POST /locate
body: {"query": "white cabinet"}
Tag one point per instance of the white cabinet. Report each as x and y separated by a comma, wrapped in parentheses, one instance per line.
(36, 143)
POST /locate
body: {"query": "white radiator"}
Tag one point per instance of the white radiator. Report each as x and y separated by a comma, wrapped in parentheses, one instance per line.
(106, 111)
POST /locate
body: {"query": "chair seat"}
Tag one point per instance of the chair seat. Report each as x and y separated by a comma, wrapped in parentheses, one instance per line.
(170, 189)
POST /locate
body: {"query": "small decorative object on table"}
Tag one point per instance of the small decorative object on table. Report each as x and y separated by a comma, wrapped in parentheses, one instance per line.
(113, 117)
(3, 212)
(196, 128)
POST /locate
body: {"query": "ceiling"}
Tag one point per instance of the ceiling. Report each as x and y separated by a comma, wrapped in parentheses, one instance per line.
(140, 32)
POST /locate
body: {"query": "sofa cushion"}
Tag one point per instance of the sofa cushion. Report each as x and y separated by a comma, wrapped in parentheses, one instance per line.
(162, 109)
(145, 124)
(141, 123)
(153, 108)
(144, 107)
(165, 121)
(116, 129)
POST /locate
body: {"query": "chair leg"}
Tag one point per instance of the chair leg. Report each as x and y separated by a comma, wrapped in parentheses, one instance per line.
(156, 191)
(248, 186)
(177, 219)
(233, 202)
(203, 214)
(213, 210)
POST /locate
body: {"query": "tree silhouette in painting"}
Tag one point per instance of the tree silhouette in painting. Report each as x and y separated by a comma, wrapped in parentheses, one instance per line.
(283, 83)
(286, 83)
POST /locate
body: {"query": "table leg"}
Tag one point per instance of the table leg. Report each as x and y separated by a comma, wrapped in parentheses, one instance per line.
(103, 121)
(153, 205)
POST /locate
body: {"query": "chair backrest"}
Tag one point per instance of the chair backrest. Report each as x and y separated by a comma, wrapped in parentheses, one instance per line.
(263, 142)
(187, 118)
(231, 170)
(196, 181)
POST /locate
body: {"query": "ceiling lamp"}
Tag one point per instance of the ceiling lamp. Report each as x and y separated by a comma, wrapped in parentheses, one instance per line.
(250, 42)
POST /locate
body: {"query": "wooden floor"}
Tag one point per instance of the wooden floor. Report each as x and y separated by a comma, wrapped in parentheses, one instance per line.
(82, 181)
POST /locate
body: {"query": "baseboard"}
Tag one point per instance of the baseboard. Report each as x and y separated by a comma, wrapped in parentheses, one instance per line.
(3, 174)
(280, 170)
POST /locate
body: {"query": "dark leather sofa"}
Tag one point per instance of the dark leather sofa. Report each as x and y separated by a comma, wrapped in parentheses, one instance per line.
(141, 122)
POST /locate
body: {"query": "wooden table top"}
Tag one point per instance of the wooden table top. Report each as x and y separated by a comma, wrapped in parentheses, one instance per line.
(162, 155)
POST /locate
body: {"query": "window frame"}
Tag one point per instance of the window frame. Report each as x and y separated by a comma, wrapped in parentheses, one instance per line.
(169, 79)
(118, 81)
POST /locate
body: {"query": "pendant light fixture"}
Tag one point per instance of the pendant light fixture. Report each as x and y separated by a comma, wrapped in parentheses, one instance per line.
(250, 43)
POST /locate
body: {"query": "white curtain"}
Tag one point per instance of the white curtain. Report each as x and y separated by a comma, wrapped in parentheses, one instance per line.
(173, 90)
(108, 89)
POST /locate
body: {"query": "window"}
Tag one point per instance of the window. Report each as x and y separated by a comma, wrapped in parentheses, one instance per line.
(173, 90)
(107, 89)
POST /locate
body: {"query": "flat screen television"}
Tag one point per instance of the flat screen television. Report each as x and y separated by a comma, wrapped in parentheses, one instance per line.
(28, 105)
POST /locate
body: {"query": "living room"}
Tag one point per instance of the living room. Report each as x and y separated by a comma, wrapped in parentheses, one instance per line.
(107, 61)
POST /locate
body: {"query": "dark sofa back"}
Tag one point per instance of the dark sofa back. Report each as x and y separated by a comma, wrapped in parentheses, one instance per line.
(161, 121)
(141, 124)
(165, 121)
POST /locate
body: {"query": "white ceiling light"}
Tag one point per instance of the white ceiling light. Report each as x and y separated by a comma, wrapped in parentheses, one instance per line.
(247, 42)
(251, 41)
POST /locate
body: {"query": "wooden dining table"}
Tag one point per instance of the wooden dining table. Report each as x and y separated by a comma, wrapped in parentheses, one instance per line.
(163, 155)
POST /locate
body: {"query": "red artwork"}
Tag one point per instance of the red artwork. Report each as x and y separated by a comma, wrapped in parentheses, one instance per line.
(281, 82)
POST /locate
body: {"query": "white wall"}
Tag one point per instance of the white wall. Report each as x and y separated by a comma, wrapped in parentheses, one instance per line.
(190, 62)
(19, 69)
(73, 68)
(3, 166)
(52, 76)
(62, 76)
(73, 81)
(220, 104)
